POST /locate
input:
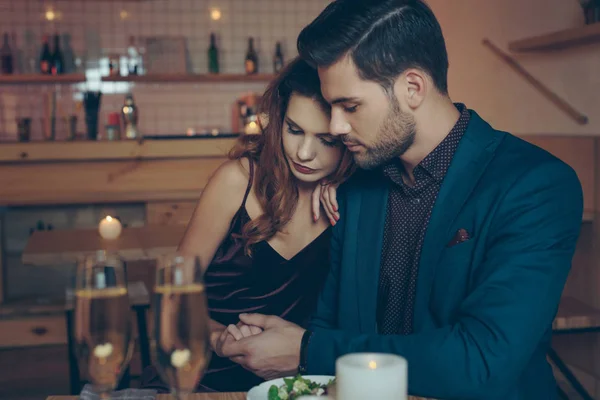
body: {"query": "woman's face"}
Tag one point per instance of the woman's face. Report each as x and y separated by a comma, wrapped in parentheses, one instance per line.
(311, 151)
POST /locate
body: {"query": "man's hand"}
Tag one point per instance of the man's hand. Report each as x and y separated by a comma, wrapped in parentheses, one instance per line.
(273, 353)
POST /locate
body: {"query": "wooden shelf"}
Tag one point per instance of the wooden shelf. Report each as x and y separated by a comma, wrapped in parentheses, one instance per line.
(558, 40)
(18, 79)
(189, 78)
(125, 150)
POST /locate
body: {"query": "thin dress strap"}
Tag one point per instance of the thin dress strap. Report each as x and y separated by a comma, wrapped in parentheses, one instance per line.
(249, 182)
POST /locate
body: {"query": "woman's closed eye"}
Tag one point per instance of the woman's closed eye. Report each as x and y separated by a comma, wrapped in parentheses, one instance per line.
(330, 141)
(293, 130)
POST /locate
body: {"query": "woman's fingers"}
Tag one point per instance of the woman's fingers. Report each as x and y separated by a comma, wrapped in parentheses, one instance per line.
(316, 203)
(332, 189)
(235, 332)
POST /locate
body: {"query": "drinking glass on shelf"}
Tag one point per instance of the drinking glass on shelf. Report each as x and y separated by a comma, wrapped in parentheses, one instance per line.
(180, 337)
(103, 335)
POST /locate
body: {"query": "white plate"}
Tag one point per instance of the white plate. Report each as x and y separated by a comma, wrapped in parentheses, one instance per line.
(261, 392)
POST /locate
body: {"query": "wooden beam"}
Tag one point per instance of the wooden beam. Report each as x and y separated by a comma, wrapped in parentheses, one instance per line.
(546, 92)
(581, 35)
(190, 78)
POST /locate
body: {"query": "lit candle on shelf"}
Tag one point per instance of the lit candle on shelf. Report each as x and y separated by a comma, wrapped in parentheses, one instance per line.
(252, 128)
(371, 376)
(109, 228)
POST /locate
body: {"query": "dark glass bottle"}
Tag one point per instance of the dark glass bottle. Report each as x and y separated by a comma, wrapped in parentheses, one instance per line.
(213, 55)
(251, 63)
(6, 56)
(278, 59)
(46, 57)
(58, 61)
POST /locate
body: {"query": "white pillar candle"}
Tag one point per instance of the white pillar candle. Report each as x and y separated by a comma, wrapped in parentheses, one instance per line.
(378, 376)
(110, 228)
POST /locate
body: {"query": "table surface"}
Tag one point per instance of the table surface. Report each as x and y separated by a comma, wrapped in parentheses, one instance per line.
(195, 396)
(68, 246)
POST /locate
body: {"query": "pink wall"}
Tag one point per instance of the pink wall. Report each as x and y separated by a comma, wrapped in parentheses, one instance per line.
(484, 82)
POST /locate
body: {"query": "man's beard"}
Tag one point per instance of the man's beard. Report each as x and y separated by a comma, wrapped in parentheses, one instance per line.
(395, 136)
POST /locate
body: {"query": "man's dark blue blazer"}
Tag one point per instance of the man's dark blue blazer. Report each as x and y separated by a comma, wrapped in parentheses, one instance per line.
(484, 307)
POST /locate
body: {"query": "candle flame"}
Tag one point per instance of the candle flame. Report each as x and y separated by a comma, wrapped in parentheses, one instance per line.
(372, 365)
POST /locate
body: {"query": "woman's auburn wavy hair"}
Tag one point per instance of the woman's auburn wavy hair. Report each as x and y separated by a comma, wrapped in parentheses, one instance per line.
(274, 184)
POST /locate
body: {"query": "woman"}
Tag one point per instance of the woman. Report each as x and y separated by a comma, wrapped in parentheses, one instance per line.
(253, 229)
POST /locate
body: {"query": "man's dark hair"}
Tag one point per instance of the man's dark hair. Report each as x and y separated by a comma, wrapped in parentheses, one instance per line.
(383, 38)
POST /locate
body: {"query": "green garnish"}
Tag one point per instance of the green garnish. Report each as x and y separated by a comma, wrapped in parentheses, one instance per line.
(295, 387)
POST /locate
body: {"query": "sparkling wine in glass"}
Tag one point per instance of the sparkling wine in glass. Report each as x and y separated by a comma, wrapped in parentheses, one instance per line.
(103, 338)
(180, 339)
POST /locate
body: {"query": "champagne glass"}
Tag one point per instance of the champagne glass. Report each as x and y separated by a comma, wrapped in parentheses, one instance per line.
(103, 336)
(180, 339)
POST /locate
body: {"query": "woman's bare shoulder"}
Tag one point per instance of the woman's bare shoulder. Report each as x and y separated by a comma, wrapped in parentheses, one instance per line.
(231, 178)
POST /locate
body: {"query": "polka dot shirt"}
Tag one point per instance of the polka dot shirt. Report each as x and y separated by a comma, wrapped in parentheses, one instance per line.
(408, 211)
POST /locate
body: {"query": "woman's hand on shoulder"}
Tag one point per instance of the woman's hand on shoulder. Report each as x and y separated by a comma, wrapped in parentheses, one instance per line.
(325, 195)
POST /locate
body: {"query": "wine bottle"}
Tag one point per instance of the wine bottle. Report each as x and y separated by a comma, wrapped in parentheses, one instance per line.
(17, 55)
(46, 57)
(134, 57)
(58, 63)
(213, 55)
(251, 63)
(277, 58)
(6, 56)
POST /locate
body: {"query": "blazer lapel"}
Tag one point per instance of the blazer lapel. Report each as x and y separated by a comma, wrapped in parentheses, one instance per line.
(468, 164)
(369, 241)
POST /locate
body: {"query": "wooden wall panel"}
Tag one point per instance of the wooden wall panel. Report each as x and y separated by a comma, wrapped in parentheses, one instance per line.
(2, 272)
(103, 182)
(169, 212)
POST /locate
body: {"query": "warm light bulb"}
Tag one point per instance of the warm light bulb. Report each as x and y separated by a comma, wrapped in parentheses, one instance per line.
(124, 15)
(372, 365)
(50, 15)
(215, 14)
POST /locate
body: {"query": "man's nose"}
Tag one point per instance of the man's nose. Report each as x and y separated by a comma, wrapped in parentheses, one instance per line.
(338, 124)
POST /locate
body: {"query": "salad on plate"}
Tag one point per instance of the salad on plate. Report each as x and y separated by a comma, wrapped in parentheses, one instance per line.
(293, 388)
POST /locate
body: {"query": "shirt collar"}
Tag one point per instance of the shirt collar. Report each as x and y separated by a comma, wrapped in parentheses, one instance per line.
(436, 163)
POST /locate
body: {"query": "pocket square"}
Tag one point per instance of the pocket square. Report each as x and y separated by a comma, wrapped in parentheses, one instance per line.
(461, 235)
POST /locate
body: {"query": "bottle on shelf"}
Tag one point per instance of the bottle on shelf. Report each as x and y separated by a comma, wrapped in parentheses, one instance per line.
(133, 57)
(251, 63)
(278, 59)
(69, 65)
(142, 56)
(58, 61)
(130, 114)
(213, 55)
(46, 57)
(18, 62)
(6, 56)
(31, 63)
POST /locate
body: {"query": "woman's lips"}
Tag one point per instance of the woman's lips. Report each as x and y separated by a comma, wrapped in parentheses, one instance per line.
(302, 169)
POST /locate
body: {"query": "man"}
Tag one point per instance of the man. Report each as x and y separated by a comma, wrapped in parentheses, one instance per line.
(454, 244)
